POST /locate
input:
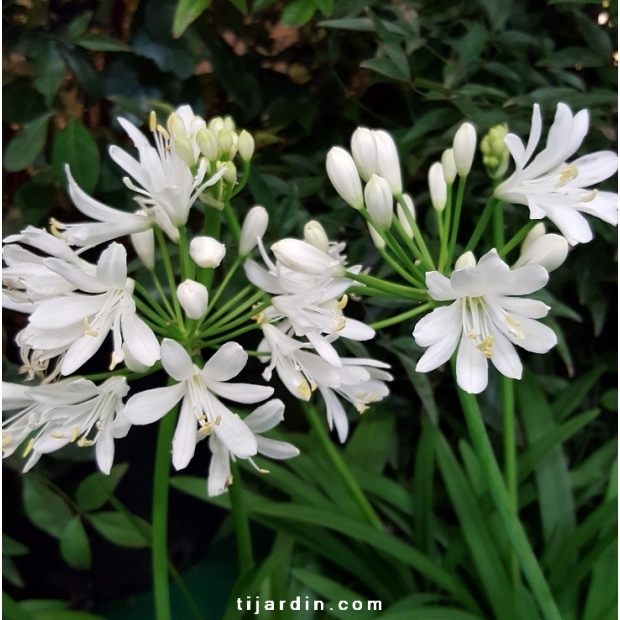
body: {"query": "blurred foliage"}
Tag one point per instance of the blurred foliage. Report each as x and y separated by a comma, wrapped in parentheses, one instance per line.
(301, 76)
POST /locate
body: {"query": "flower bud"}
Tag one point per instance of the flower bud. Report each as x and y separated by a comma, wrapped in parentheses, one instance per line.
(464, 147)
(402, 216)
(176, 126)
(495, 154)
(343, 174)
(465, 260)
(144, 245)
(315, 235)
(207, 251)
(376, 238)
(379, 201)
(364, 151)
(448, 165)
(437, 186)
(216, 124)
(194, 299)
(229, 123)
(550, 251)
(208, 144)
(230, 176)
(185, 151)
(388, 164)
(253, 229)
(225, 140)
(303, 257)
(536, 233)
(246, 145)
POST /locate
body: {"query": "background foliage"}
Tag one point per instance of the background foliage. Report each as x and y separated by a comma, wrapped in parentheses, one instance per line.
(301, 76)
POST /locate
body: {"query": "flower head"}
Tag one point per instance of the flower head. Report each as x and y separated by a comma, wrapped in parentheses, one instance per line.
(550, 186)
(487, 317)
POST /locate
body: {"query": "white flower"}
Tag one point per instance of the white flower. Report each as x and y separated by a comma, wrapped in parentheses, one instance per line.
(262, 419)
(388, 164)
(550, 250)
(246, 145)
(484, 321)
(464, 148)
(201, 411)
(343, 175)
(379, 201)
(75, 410)
(194, 299)
(550, 186)
(449, 166)
(364, 151)
(253, 229)
(207, 251)
(305, 258)
(402, 216)
(79, 323)
(315, 235)
(437, 186)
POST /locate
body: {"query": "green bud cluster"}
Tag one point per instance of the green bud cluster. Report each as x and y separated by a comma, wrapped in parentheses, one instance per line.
(495, 154)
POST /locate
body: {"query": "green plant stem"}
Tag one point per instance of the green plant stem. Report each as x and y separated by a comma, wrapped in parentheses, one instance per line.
(212, 226)
(151, 314)
(232, 302)
(339, 465)
(188, 267)
(222, 287)
(501, 499)
(444, 231)
(241, 521)
(516, 240)
(162, 294)
(152, 302)
(417, 235)
(170, 275)
(398, 269)
(225, 338)
(148, 538)
(232, 221)
(510, 465)
(460, 192)
(415, 270)
(401, 317)
(244, 179)
(498, 225)
(161, 589)
(228, 325)
(396, 290)
(235, 311)
(483, 220)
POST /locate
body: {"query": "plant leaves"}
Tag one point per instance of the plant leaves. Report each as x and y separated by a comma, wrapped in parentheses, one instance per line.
(95, 490)
(26, 145)
(46, 509)
(117, 528)
(74, 545)
(185, 13)
(74, 145)
(101, 43)
(49, 70)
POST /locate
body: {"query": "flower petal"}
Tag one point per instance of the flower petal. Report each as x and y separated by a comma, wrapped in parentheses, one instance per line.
(176, 360)
(227, 362)
(505, 358)
(66, 311)
(276, 449)
(471, 367)
(140, 339)
(266, 416)
(219, 468)
(184, 440)
(439, 287)
(232, 431)
(536, 337)
(240, 392)
(151, 405)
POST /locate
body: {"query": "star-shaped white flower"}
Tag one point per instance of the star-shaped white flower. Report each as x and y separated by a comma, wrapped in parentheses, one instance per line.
(262, 419)
(486, 319)
(550, 186)
(201, 411)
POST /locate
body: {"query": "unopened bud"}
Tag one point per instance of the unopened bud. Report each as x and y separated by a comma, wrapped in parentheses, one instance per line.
(402, 216)
(464, 147)
(176, 126)
(207, 251)
(550, 251)
(225, 140)
(208, 144)
(184, 150)
(495, 154)
(343, 174)
(536, 233)
(379, 201)
(315, 235)
(216, 124)
(364, 151)
(230, 176)
(377, 239)
(303, 257)
(465, 260)
(253, 229)
(144, 245)
(246, 145)
(388, 163)
(229, 123)
(448, 165)
(437, 187)
(194, 299)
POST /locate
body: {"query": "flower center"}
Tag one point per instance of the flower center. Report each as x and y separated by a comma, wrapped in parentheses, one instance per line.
(568, 173)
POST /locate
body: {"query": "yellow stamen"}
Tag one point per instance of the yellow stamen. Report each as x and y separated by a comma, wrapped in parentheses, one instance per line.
(56, 227)
(218, 420)
(485, 347)
(313, 385)
(229, 480)
(85, 443)
(343, 302)
(6, 440)
(163, 132)
(152, 120)
(29, 447)
(304, 390)
(568, 174)
(511, 321)
(472, 334)
(591, 196)
(88, 331)
(75, 433)
(57, 435)
(264, 471)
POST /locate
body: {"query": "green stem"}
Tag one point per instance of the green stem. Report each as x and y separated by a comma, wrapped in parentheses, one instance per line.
(240, 519)
(244, 180)
(238, 332)
(226, 326)
(222, 287)
(234, 302)
(152, 302)
(232, 221)
(481, 225)
(160, 516)
(162, 294)
(397, 290)
(153, 316)
(401, 317)
(398, 269)
(417, 235)
(212, 227)
(460, 192)
(510, 465)
(516, 240)
(188, 267)
(444, 231)
(170, 275)
(415, 251)
(339, 465)
(501, 499)
(498, 225)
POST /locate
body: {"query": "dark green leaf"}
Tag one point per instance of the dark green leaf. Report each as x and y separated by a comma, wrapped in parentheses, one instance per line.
(95, 490)
(79, 25)
(34, 202)
(49, 70)
(325, 6)
(11, 547)
(74, 545)
(101, 43)
(21, 102)
(371, 440)
(74, 145)
(240, 5)
(359, 24)
(47, 510)
(185, 13)
(118, 529)
(386, 67)
(497, 11)
(298, 12)
(26, 145)
(609, 400)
